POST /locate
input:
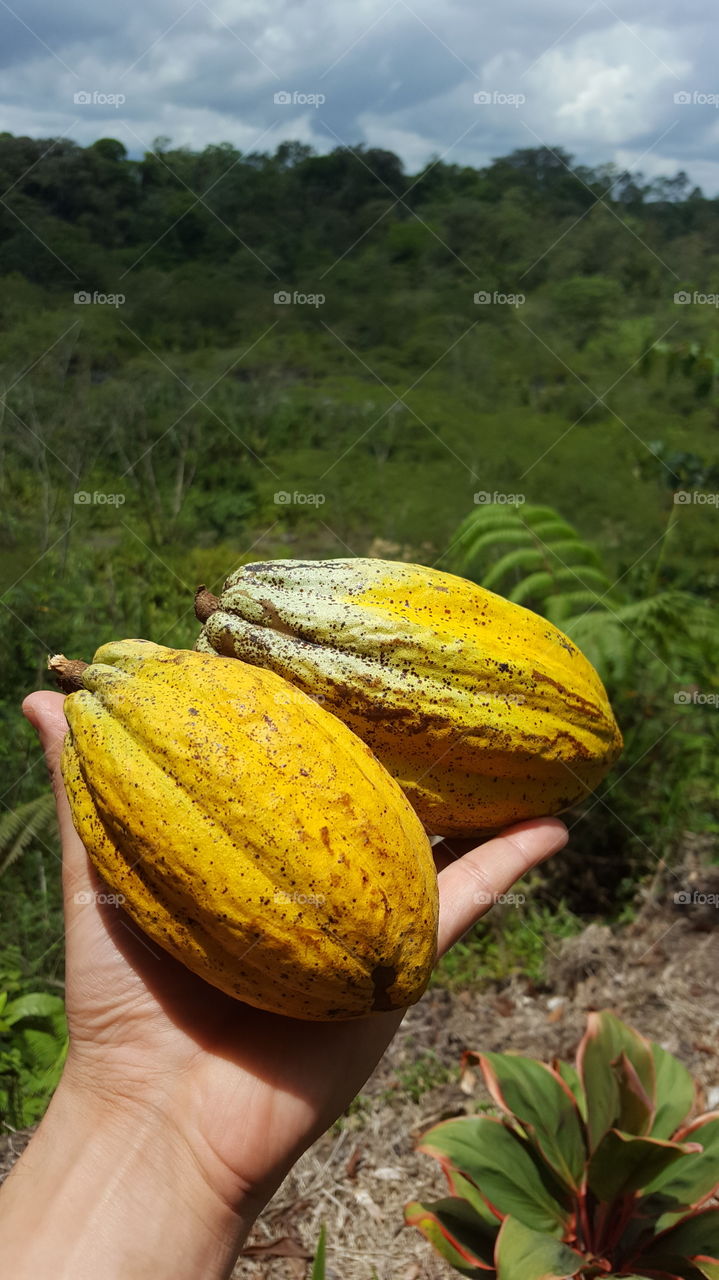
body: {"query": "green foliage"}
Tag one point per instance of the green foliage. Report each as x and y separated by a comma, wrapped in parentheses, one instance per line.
(537, 559)
(33, 1046)
(510, 940)
(19, 826)
(586, 1169)
(652, 645)
(320, 1260)
(178, 414)
(425, 1072)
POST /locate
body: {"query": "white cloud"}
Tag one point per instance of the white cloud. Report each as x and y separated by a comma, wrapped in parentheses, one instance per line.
(396, 74)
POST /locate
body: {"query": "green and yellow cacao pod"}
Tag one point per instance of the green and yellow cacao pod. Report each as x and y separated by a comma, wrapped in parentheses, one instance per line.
(483, 711)
(250, 834)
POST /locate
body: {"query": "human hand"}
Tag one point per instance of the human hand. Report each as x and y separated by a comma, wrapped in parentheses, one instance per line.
(242, 1092)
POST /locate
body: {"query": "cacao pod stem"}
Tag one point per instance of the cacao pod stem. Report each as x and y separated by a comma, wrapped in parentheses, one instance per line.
(205, 603)
(67, 672)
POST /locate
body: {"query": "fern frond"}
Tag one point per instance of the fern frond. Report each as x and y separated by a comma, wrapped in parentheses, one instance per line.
(574, 549)
(462, 555)
(533, 515)
(536, 587)
(526, 558)
(19, 827)
(554, 530)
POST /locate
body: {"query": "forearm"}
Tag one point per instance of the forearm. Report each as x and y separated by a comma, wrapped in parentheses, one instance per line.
(109, 1191)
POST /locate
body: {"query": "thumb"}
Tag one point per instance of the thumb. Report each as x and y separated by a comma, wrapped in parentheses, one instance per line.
(45, 711)
(472, 884)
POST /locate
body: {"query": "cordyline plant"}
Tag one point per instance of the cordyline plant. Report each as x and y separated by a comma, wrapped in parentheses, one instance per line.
(590, 1170)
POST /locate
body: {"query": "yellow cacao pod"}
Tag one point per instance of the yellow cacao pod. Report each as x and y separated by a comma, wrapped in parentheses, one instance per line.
(483, 711)
(251, 834)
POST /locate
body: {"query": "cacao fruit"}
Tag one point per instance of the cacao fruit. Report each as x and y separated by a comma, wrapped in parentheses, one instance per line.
(483, 711)
(251, 834)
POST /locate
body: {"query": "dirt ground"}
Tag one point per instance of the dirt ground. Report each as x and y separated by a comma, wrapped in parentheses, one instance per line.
(659, 974)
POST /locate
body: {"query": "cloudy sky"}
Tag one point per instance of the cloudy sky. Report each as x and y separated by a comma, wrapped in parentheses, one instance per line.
(599, 80)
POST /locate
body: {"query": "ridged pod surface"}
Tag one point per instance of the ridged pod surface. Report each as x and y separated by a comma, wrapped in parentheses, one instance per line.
(252, 835)
(483, 711)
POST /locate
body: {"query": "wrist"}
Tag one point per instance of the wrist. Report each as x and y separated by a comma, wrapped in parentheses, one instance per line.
(119, 1193)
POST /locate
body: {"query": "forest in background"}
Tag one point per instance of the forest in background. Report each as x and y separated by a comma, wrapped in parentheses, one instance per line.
(210, 358)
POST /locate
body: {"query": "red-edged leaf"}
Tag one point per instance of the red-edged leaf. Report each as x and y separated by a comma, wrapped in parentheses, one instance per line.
(536, 1095)
(457, 1234)
(570, 1076)
(461, 1186)
(598, 1058)
(523, 1254)
(502, 1166)
(692, 1242)
(692, 1180)
(623, 1163)
(675, 1093)
(636, 1108)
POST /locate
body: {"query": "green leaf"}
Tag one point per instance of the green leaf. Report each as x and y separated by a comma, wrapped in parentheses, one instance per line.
(34, 1005)
(18, 827)
(534, 587)
(693, 1179)
(466, 1190)
(523, 1254)
(623, 1163)
(695, 1239)
(598, 1061)
(557, 532)
(473, 543)
(570, 1076)
(456, 1233)
(319, 1264)
(41, 1049)
(675, 1093)
(636, 1108)
(526, 558)
(501, 1165)
(538, 1097)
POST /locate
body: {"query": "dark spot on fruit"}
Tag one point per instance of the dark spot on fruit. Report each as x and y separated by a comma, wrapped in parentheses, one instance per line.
(383, 976)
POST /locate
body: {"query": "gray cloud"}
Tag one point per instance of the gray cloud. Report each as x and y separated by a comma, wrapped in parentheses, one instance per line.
(402, 75)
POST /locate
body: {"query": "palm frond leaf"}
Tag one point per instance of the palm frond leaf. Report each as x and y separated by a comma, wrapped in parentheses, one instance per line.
(20, 826)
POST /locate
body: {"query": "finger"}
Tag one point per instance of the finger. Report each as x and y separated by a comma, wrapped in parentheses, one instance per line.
(471, 884)
(45, 711)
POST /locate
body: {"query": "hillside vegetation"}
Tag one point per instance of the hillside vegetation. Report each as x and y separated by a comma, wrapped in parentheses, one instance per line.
(457, 343)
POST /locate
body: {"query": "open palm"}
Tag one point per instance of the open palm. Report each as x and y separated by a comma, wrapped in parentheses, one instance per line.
(248, 1091)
